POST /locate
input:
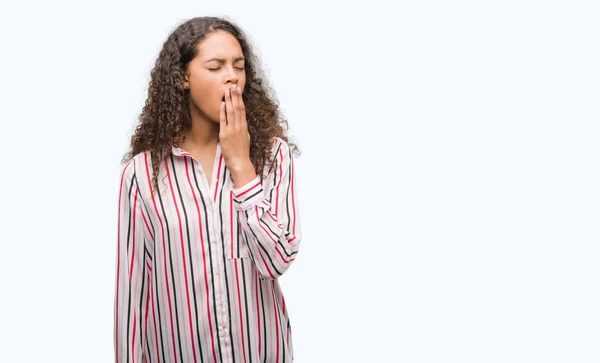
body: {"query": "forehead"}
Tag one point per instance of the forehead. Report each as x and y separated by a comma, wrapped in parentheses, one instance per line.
(219, 44)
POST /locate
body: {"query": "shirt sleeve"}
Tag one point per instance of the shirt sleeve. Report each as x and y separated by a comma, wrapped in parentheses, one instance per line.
(269, 219)
(131, 271)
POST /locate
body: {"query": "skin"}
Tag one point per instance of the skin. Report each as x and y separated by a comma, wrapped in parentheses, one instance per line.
(214, 121)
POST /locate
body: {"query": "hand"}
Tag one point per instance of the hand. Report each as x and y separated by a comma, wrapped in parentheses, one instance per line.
(234, 137)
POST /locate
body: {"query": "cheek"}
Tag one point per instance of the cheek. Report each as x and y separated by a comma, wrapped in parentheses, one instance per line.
(203, 94)
(204, 84)
(207, 99)
(198, 94)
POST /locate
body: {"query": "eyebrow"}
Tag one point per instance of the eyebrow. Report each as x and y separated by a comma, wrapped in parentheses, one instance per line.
(221, 60)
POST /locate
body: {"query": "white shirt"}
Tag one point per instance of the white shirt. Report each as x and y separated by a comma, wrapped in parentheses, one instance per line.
(197, 264)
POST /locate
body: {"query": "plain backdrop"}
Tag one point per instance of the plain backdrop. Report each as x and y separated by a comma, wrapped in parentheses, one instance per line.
(448, 182)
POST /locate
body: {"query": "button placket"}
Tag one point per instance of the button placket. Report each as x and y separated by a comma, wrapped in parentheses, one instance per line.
(217, 272)
(223, 326)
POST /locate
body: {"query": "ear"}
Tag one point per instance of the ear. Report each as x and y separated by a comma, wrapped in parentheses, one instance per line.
(186, 83)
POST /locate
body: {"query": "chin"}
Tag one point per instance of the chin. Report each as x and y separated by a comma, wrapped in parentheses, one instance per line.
(212, 116)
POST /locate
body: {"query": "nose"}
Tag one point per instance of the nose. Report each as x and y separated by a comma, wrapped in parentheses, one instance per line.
(232, 78)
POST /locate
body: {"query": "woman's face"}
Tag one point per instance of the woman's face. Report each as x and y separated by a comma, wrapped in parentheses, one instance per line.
(218, 65)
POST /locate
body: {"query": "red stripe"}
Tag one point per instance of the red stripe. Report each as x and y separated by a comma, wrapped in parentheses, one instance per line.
(231, 221)
(218, 173)
(133, 339)
(261, 226)
(207, 295)
(254, 186)
(276, 325)
(133, 237)
(279, 185)
(271, 215)
(293, 200)
(272, 239)
(147, 311)
(154, 320)
(237, 278)
(265, 263)
(147, 226)
(119, 265)
(183, 257)
(258, 315)
(164, 258)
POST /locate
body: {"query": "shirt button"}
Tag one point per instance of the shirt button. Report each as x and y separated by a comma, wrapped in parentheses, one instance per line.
(220, 303)
(222, 333)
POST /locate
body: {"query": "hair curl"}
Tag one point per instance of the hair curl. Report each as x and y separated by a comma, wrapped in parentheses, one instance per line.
(165, 117)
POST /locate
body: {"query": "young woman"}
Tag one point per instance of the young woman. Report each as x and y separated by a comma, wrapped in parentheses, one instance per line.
(208, 209)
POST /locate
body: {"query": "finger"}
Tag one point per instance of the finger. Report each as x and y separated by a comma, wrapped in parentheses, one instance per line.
(222, 117)
(242, 118)
(235, 100)
(229, 109)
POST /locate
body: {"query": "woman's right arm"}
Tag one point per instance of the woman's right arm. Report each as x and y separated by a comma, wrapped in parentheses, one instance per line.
(130, 269)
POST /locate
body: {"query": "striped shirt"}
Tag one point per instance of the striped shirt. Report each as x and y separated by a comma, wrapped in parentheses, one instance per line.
(197, 264)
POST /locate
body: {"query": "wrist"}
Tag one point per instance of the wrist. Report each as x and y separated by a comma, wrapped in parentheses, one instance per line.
(242, 173)
(239, 166)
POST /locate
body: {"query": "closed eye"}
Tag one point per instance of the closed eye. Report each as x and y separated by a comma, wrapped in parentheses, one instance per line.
(216, 69)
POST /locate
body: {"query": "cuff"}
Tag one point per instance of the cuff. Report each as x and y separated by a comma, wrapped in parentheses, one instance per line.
(248, 195)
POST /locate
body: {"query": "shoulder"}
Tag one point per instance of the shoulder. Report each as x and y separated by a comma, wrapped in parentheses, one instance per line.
(280, 148)
(135, 165)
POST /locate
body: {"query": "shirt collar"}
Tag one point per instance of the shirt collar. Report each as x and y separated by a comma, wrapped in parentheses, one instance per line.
(177, 151)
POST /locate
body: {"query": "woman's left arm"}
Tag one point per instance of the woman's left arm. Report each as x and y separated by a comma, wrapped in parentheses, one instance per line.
(271, 226)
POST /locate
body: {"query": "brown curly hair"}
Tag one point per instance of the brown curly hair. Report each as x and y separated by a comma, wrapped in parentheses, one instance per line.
(165, 116)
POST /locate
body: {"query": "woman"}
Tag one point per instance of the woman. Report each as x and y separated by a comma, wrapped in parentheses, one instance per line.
(200, 252)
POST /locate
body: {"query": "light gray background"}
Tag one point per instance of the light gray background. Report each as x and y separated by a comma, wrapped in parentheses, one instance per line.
(448, 185)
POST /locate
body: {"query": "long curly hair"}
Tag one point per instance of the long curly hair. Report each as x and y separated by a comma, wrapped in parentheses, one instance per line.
(165, 117)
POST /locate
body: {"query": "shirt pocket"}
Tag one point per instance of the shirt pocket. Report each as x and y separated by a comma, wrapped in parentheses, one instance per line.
(237, 246)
